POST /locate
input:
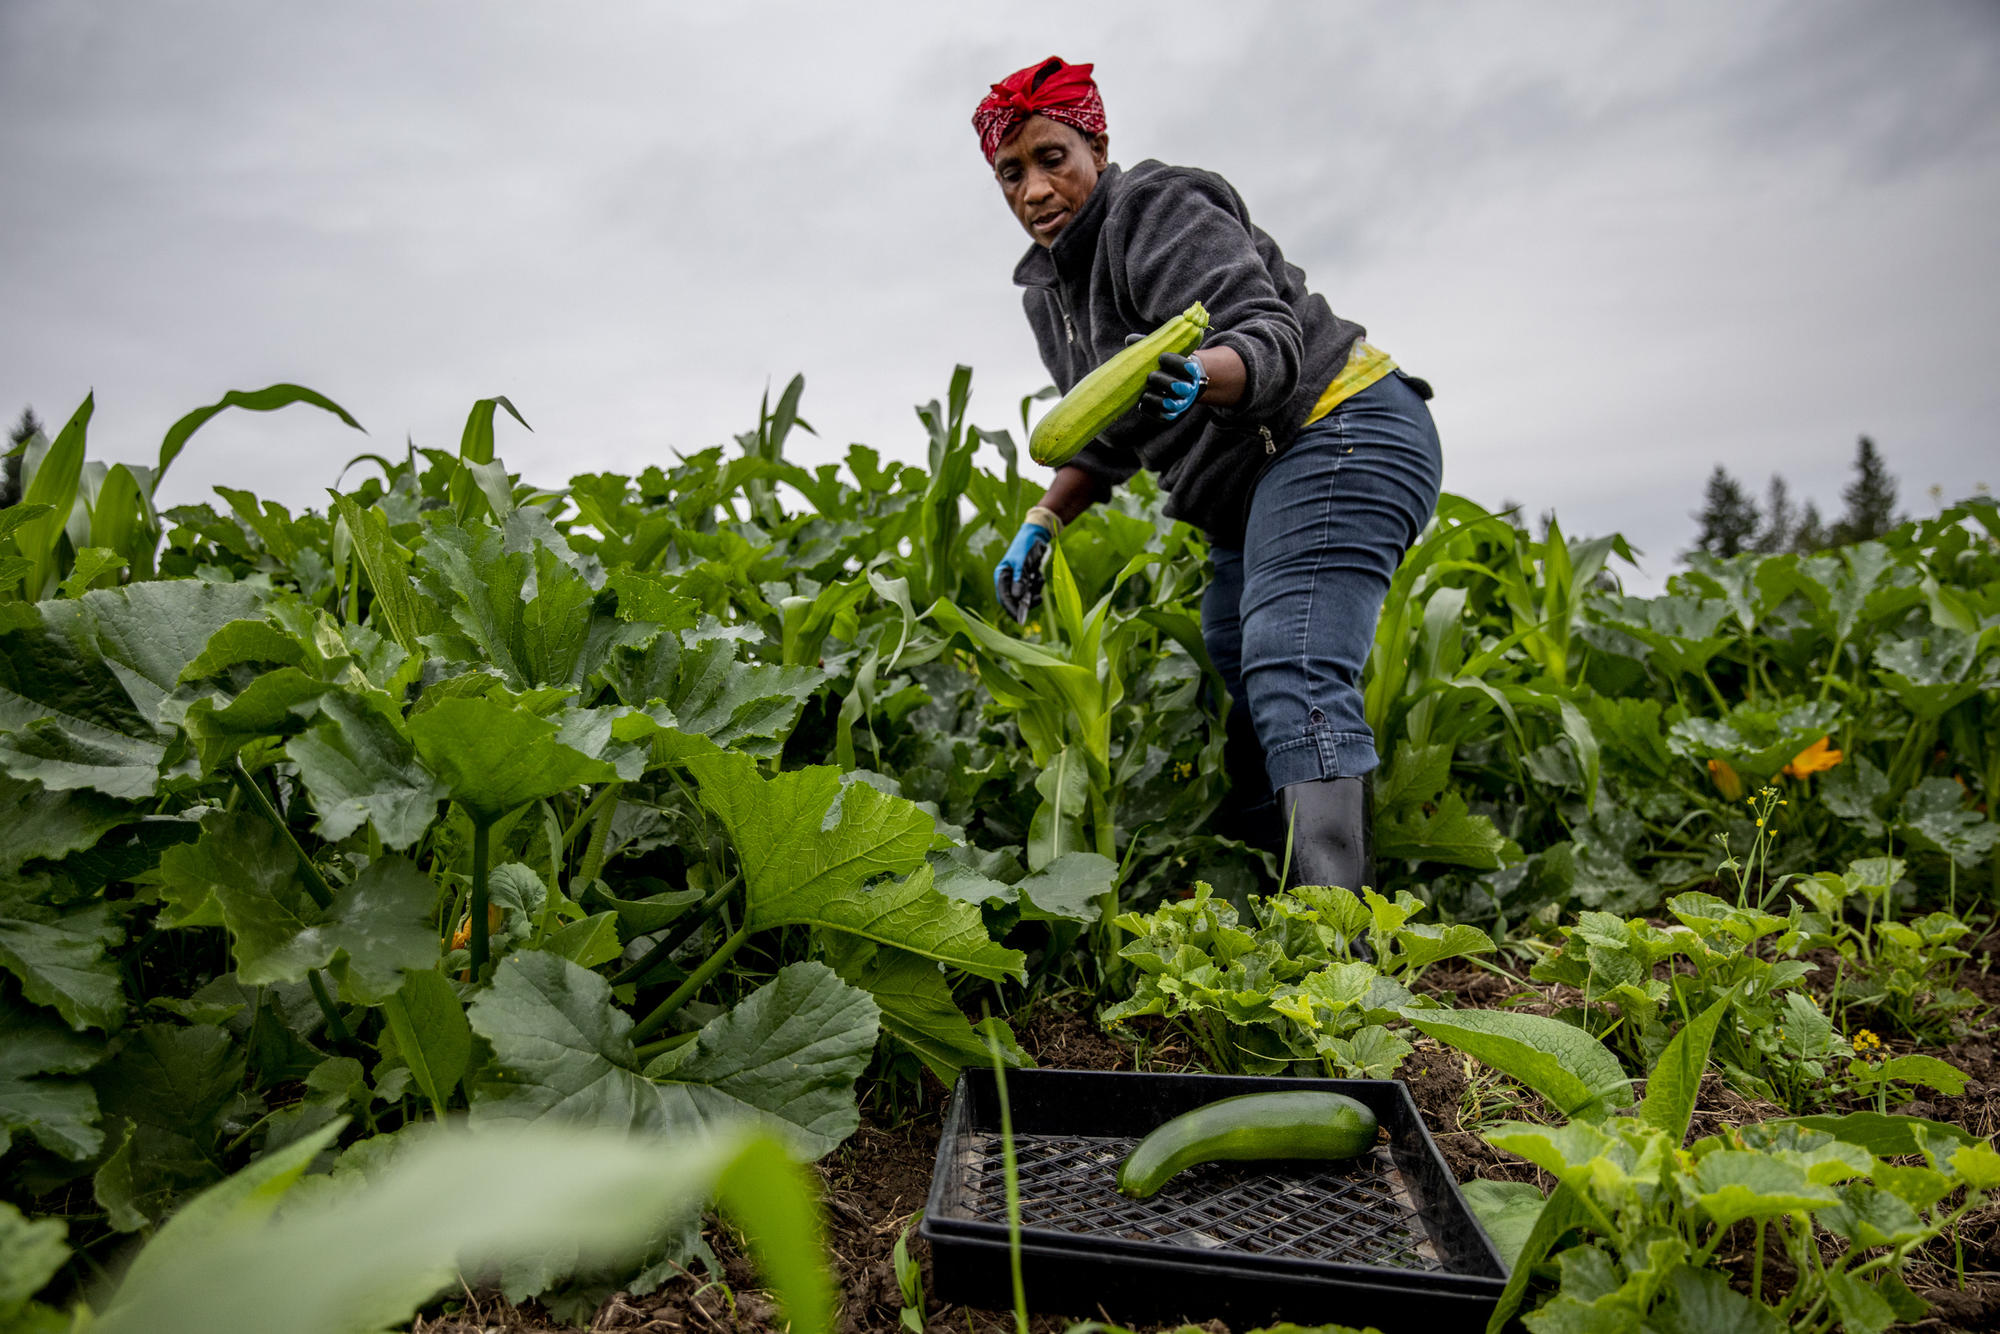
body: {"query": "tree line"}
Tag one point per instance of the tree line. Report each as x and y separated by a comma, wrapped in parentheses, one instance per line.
(1732, 522)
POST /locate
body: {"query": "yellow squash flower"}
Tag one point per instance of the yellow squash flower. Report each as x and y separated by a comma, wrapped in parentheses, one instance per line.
(1816, 758)
(1726, 779)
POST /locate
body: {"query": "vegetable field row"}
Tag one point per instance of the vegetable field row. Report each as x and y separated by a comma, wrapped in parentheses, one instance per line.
(719, 793)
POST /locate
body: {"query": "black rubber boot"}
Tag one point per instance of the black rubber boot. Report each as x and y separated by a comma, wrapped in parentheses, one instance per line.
(1331, 822)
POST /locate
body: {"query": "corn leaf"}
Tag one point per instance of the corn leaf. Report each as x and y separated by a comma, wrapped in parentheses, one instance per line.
(267, 399)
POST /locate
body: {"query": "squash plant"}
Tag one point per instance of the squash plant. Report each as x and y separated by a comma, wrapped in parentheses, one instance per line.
(1288, 993)
(1635, 1221)
(1653, 1217)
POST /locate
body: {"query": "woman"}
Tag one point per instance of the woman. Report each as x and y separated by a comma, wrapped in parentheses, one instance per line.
(1310, 461)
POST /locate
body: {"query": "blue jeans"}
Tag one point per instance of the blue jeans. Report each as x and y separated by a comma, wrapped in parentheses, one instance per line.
(1290, 618)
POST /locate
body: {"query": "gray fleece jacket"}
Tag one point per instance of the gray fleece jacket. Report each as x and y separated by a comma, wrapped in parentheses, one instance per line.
(1147, 244)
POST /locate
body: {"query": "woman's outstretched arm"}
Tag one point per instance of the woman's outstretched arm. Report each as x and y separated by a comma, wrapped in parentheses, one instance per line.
(1071, 493)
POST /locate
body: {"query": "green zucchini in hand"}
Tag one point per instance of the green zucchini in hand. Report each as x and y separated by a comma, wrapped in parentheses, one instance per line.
(1297, 1123)
(1108, 393)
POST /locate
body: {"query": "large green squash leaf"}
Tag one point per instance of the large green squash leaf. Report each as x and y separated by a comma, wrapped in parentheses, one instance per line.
(1450, 833)
(695, 682)
(493, 758)
(813, 849)
(482, 580)
(147, 633)
(1735, 1184)
(172, 1084)
(76, 714)
(1507, 1210)
(378, 925)
(39, 1095)
(358, 766)
(42, 823)
(59, 960)
(787, 1056)
(66, 753)
(277, 703)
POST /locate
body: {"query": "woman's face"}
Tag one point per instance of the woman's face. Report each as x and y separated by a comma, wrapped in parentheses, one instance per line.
(1047, 169)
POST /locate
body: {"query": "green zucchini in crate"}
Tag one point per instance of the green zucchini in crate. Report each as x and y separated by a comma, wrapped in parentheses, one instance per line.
(1297, 1123)
(1108, 393)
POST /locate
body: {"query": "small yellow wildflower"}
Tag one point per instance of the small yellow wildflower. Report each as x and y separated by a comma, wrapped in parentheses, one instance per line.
(1183, 771)
(1865, 1042)
(1816, 758)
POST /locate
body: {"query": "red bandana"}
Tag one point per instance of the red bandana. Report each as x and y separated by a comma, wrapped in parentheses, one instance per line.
(1066, 93)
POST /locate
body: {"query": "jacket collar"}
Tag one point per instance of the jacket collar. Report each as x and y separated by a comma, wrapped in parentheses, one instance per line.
(1073, 249)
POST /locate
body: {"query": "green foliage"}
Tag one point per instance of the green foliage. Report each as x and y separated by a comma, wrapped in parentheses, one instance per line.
(1568, 1067)
(268, 1249)
(1289, 993)
(1653, 1216)
(1901, 973)
(403, 789)
(689, 795)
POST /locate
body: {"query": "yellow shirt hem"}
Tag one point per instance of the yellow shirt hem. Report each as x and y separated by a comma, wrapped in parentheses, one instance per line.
(1366, 364)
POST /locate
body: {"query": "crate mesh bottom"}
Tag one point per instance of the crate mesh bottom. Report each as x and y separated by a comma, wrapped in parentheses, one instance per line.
(1354, 1212)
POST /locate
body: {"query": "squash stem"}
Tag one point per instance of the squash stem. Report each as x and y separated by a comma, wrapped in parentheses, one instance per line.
(664, 1045)
(678, 936)
(315, 883)
(336, 1027)
(606, 806)
(698, 979)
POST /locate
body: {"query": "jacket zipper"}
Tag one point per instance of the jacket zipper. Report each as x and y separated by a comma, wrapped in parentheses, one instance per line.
(1270, 445)
(1069, 329)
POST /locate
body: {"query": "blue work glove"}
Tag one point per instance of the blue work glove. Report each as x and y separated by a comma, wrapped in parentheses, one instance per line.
(1172, 389)
(1017, 579)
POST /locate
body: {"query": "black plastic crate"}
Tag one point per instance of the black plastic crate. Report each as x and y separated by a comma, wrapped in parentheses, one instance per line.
(1383, 1239)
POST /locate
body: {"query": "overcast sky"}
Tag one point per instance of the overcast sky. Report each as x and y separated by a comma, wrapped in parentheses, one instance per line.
(1625, 242)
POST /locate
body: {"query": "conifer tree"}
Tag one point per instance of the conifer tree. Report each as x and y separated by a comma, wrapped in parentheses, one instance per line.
(1870, 498)
(1780, 519)
(1811, 534)
(1728, 517)
(10, 467)
(27, 426)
